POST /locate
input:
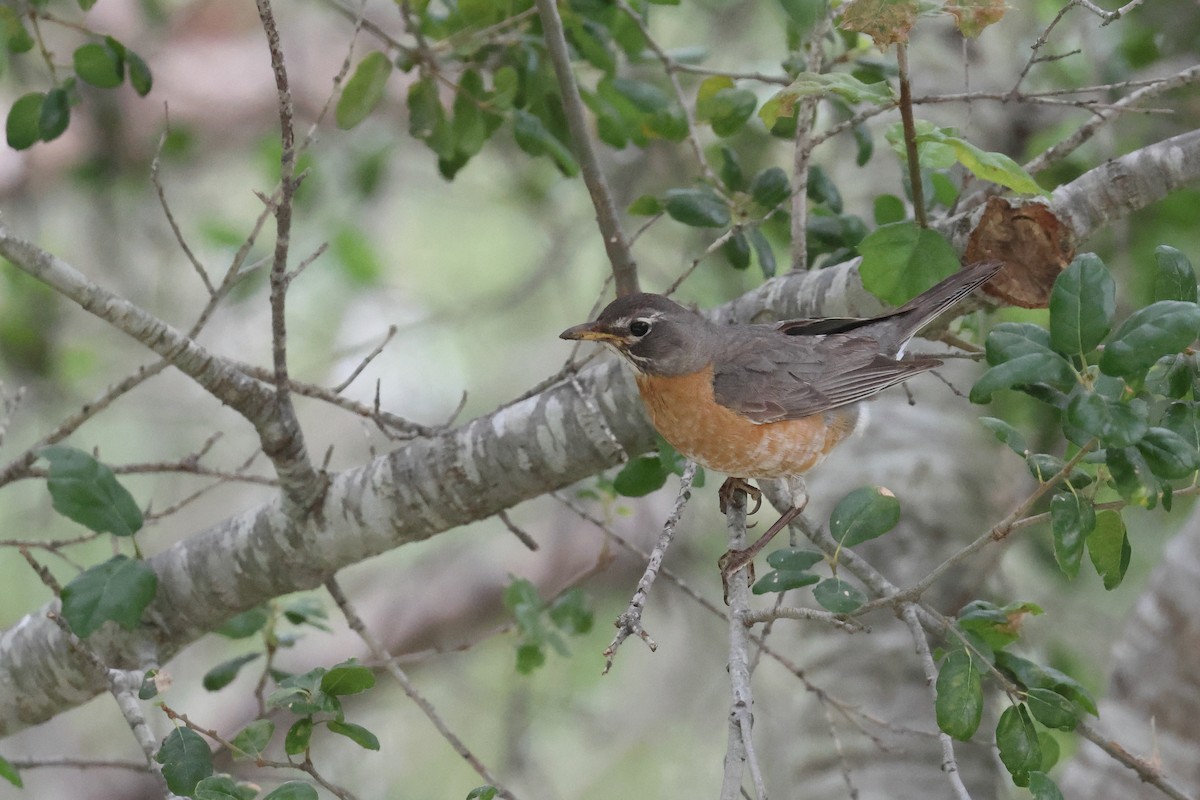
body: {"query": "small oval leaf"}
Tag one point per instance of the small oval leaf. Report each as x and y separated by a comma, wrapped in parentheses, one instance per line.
(364, 90)
(866, 513)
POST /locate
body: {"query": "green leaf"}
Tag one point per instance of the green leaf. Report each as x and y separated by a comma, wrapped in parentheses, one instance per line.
(1042, 787)
(995, 167)
(1010, 340)
(244, 624)
(427, 118)
(149, 688)
(737, 250)
(1026, 370)
(292, 790)
(1017, 741)
(1172, 376)
(1072, 518)
(1052, 709)
(996, 626)
(795, 558)
(722, 105)
(101, 65)
(763, 252)
(822, 189)
(1150, 333)
(782, 580)
(530, 656)
(252, 740)
(1108, 548)
(1082, 304)
(1117, 424)
(1035, 676)
(220, 787)
(570, 613)
(838, 596)
(1183, 419)
(298, 737)
(9, 773)
(1175, 279)
(12, 29)
(699, 208)
(364, 90)
(770, 187)
(731, 171)
(640, 477)
(348, 677)
(645, 206)
(812, 84)
(355, 733)
(86, 491)
(22, 126)
(1168, 454)
(302, 695)
(866, 513)
(532, 136)
(306, 609)
(902, 260)
(485, 792)
(1050, 752)
(117, 590)
(888, 209)
(186, 760)
(1132, 477)
(139, 74)
(646, 97)
(223, 674)
(1007, 434)
(55, 115)
(959, 704)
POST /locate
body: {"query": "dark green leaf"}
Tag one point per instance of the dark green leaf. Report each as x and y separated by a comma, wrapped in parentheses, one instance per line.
(86, 491)
(223, 674)
(1034, 676)
(1132, 476)
(889, 209)
(1184, 419)
(696, 207)
(1017, 741)
(298, 737)
(902, 260)
(731, 171)
(306, 609)
(570, 613)
(245, 624)
(737, 250)
(1032, 368)
(1050, 752)
(21, 126)
(1175, 279)
(1168, 454)
(1052, 709)
(763, 251)
(1044, 466)
(302, 695)
(795, 558)
(362, 93)
(139, 74)
(646, 97)
(838, 596)
(55, 115)
(1007, 434)
(866, 513)
(1072, 518)
(9, 773)
(959, 705)
(640, 477)
(587, 38)
(822, 190)
(149, 688)
(117, 590)
(723, 106)
(535, 138)
(485, 792)
(997, 627)
(292, 790)
(252, 740)
(427, 117)
(1108, 548)
(1082, 304)
(1172, 376)
(356, 733)
(782, 580)
(186, 760)
(348, 677)
(219, 787)
(1042, 787)
(645, 206)
(1010, 340)
(1150, 333)
(1117, 424)
(530, 656)
(101, 65)
(770, 187)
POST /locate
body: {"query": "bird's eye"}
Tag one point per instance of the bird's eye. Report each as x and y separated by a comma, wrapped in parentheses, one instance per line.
(639, 327)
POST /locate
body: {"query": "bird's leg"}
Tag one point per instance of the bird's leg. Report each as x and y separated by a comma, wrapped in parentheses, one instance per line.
(731, 485)
(734, 560)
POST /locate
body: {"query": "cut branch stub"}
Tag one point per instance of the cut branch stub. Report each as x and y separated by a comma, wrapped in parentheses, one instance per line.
(1034, 245)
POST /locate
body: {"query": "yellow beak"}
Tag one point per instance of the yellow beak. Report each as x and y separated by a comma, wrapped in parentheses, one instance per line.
(588, 332)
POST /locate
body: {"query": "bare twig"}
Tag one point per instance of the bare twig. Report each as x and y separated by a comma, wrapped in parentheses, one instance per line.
(910, 136)
(521, 535)
(1109, 16)
(630, 622)
(341, 387)
(1147, 770)
(380, 653)
(624, 268)
(166, 207)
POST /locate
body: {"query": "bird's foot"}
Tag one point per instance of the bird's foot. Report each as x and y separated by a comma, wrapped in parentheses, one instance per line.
(735, 560)
(732, 486)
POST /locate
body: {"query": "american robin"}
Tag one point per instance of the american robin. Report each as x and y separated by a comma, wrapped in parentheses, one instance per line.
(766, 400)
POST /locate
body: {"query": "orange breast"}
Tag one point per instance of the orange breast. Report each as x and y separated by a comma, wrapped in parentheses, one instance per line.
(684, 411)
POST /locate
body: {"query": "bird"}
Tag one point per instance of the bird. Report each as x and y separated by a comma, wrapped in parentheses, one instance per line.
(766, 400)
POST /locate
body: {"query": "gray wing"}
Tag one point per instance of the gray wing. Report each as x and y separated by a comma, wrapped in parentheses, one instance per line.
(766, 376)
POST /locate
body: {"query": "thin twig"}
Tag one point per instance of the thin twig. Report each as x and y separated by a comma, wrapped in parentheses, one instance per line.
(910, 136)
(380, 653)
(521, 535)
(341, 387)
(166, 207)
(624, 268)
